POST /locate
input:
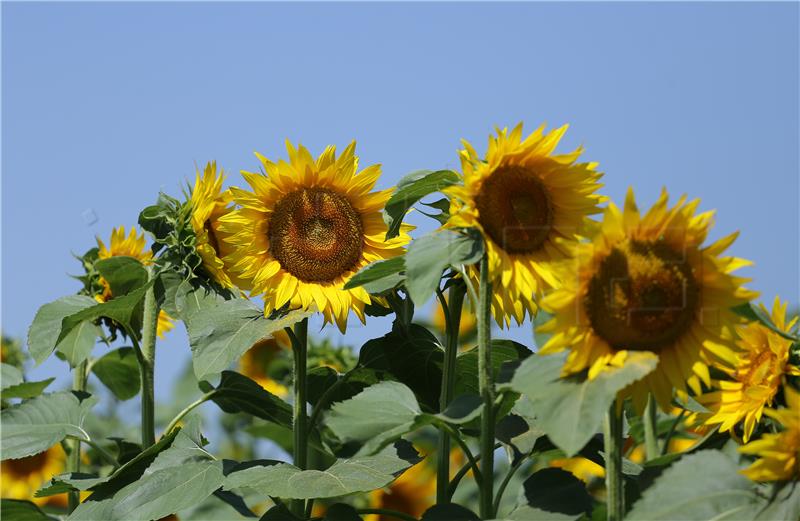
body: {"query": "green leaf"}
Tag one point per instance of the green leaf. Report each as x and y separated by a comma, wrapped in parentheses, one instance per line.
(467, 363)
(429, 255)
(221, 334)
(443, 205)
(379, 276)
(341, 512)
(43, 335)
(36, 425)
(237, 393)
(191, 297)
(123, 274)
(528, 513)
(119, 371)
(410, 189)
(556, 490)
(571, 410)
(449, 512)
(22, 510)
(756, 314)
(27, 390)
(700, 486)
(342, 478)
(10, 376)
(166, 289)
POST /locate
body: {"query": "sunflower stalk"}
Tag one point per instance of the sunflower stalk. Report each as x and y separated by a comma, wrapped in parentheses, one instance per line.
(486, 390)
(299, 336)
(147, 362)
(650, 420)
(74, 461)
(612, 438)
(452, 315)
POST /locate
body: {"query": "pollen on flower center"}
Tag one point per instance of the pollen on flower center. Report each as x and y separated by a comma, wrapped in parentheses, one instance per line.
(27, 465)
(643, 297)
(316, 234)
(515, 209)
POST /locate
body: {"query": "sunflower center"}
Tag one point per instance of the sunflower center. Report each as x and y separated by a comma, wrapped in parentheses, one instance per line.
(643, 297)
(26, 466)
(515, 209)
(316, 234)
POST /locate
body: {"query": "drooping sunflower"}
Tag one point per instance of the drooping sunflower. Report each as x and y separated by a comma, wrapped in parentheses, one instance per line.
(757, 374)
(132, 245)
(22, 477)
(209, 203)
(778, 452)
(530, 204)
(306, 228)
(647, 283)
(256, 362)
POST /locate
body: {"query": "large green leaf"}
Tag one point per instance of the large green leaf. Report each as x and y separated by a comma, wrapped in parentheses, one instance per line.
(429, 255)
(43, 335)
(237, 393)
(410, 189)
(22, 510)
(556, 490)
(467, 363)
(123, 274)
(379, 276)
(36, 425)
(221, 334)
(571, 410)
(342, 478)
(10, 376)
(119, 371)
(701, 486)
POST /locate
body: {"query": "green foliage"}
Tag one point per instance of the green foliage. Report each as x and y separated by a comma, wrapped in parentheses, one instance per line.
(45, 333)
(571, 410)
(237, 393)
(22, 510)
(10, 376)
(379, 276)
(410, 189)
(123, 274)
(556, 490)
(26, 390)
(169, 221)
(119, 371)
(449, 512)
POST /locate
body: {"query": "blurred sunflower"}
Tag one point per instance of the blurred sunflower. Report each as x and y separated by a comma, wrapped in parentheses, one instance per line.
(529, 204)
(209, 203)
(582, 468)
(132, 245)
(22, 477)
(757, 374)
(412, 493)
(778, 453)
(646, 283)
(256, 362)
(306, 228)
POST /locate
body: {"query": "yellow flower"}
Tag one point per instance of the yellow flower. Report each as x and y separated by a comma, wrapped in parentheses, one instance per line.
(529, 204)
(413, 493)
(256, 361)
(467, 326)
(582, 468)
(647, 283)
(778, 453)
(134, 245)
(306, 228)
(22, 477)
(757, 374)
(676, 445)
(209, 203)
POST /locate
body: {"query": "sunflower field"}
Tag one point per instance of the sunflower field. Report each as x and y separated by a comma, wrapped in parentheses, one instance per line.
(653, 387)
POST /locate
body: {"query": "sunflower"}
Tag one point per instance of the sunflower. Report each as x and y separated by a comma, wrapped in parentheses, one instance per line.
(757, 374)
(134, 245)
(529, 204)
(412, 493)
(256, 362)
(209, 203)
(24, 476)
(778, 453)
(306, 228)
(582, 468)
(647, 283)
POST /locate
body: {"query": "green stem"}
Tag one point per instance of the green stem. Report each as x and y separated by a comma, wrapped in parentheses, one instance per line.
(501, 490)
(74, 461)
(651, 428)
(107, 456)
(615, 493)
(486, 389)
(386, 512)
(147, 362)
(470, 465)
(186, 410)
(300, 421)
(452, 316)
(672, 428)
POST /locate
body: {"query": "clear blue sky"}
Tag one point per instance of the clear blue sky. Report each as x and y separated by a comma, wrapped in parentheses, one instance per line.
(104, 104)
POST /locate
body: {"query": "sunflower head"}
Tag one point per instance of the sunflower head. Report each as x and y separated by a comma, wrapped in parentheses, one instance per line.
(778, 452)
(530, 205)
(412, 493)
(761, 365)
(306, 228)
(647, 283)
(24, 476)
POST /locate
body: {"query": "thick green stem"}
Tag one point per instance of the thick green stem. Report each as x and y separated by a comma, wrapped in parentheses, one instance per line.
(615, 493)
(74, 461)
(186, 410)
(147, 361)
(651, 429)
(300, 420)
(452, 314)
(486, 389)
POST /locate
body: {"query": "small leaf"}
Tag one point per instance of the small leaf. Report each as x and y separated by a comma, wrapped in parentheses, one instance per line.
(410, 189)
(22, 510)
(119, 371)
(379, 276)
(237, 393)
(43, 334)
(467, 363)
(429, 255)
(27, 390)
(556, 490)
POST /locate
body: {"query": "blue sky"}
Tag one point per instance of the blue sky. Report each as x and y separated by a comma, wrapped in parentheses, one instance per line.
(105, 104)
